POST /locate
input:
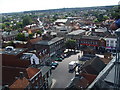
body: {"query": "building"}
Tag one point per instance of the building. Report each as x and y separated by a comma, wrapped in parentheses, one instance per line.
(32, 28)
(93, 66)
(61, 21)
(98, 43)
(111, 42)
(51, 47)
(26, 78)
(109, 77)
(17, 56)
(9, 36)
(75, 34)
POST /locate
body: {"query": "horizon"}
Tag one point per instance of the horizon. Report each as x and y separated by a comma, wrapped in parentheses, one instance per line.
(22, 6)
(54, 9)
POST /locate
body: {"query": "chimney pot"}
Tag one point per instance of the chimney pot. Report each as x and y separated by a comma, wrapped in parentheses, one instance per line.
(21, 75)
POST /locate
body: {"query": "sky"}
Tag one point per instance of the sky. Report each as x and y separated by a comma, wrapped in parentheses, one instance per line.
(26, 5)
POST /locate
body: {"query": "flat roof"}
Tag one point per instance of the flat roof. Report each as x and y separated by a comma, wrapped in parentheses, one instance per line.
(16, 51)
(46, 42)
(100, 30)
(77, 32)
(61, 20)
(91, 37)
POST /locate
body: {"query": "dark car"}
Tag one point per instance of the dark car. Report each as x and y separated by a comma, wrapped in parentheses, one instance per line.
(58, 59)
(54, 63)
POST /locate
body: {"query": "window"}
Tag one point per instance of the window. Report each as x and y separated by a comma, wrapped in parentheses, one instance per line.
(33, 81)
(112, 41)
(107, 41)
(36, 77)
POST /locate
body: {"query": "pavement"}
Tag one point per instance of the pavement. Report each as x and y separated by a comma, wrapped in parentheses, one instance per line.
(53, 83)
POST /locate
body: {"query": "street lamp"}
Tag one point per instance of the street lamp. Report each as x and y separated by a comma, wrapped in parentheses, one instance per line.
(117, 62)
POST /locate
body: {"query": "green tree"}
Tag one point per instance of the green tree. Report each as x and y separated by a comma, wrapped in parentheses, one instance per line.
(21, 37)
(39, 32)
(70, 44)
(96, 20)
(115, 12)
(27, 20)
(31, 36)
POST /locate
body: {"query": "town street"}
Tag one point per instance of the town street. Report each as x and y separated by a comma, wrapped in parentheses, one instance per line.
(61, 74)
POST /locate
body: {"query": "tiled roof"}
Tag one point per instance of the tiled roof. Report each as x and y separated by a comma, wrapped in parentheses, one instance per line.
(32, 71)
(9, 74)
(79, 82)
(89, 77)
(94, 66)
(35, 40)
(20, 83)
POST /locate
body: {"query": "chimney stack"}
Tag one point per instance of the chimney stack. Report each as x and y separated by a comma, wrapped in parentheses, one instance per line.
(21, 75)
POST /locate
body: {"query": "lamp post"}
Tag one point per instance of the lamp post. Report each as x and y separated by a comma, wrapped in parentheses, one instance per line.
(117, 62)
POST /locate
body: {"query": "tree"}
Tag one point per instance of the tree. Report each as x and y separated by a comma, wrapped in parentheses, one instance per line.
(115, 12)
(27, 20)
(39, 32)
(31, 36)
(21, 37)
(70, 44)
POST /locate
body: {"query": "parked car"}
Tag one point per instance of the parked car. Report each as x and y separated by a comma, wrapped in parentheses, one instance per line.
(54, 63)
(58, 59)
(53, 67)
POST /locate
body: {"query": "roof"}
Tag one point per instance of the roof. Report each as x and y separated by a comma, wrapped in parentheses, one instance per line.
(106, 76)
(89, 77)
(20, 83)
(46, 42)
(32, 71)
(100, 30)
(45, 69)
(9, 74)
(77, 32)
(26, 56)
(91, 37)
(61, 20)
(8, 34)
(94, 66)
(111, 36)
(15, 51)
(106, 61)
(79, 82)
(35, 40)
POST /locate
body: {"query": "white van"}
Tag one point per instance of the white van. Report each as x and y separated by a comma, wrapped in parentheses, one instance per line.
(72, 65)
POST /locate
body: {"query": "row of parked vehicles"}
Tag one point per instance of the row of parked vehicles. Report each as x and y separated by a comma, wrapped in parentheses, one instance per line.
(55, 63)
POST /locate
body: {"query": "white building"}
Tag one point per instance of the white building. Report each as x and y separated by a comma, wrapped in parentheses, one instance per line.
(32, 57)
(111, 43)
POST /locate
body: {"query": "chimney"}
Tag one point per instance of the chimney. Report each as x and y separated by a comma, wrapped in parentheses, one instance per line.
(21, 75)
(6, 87)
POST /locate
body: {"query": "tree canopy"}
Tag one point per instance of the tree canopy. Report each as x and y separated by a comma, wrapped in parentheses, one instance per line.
(27, 20)
(21, 37)
(70, 44)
